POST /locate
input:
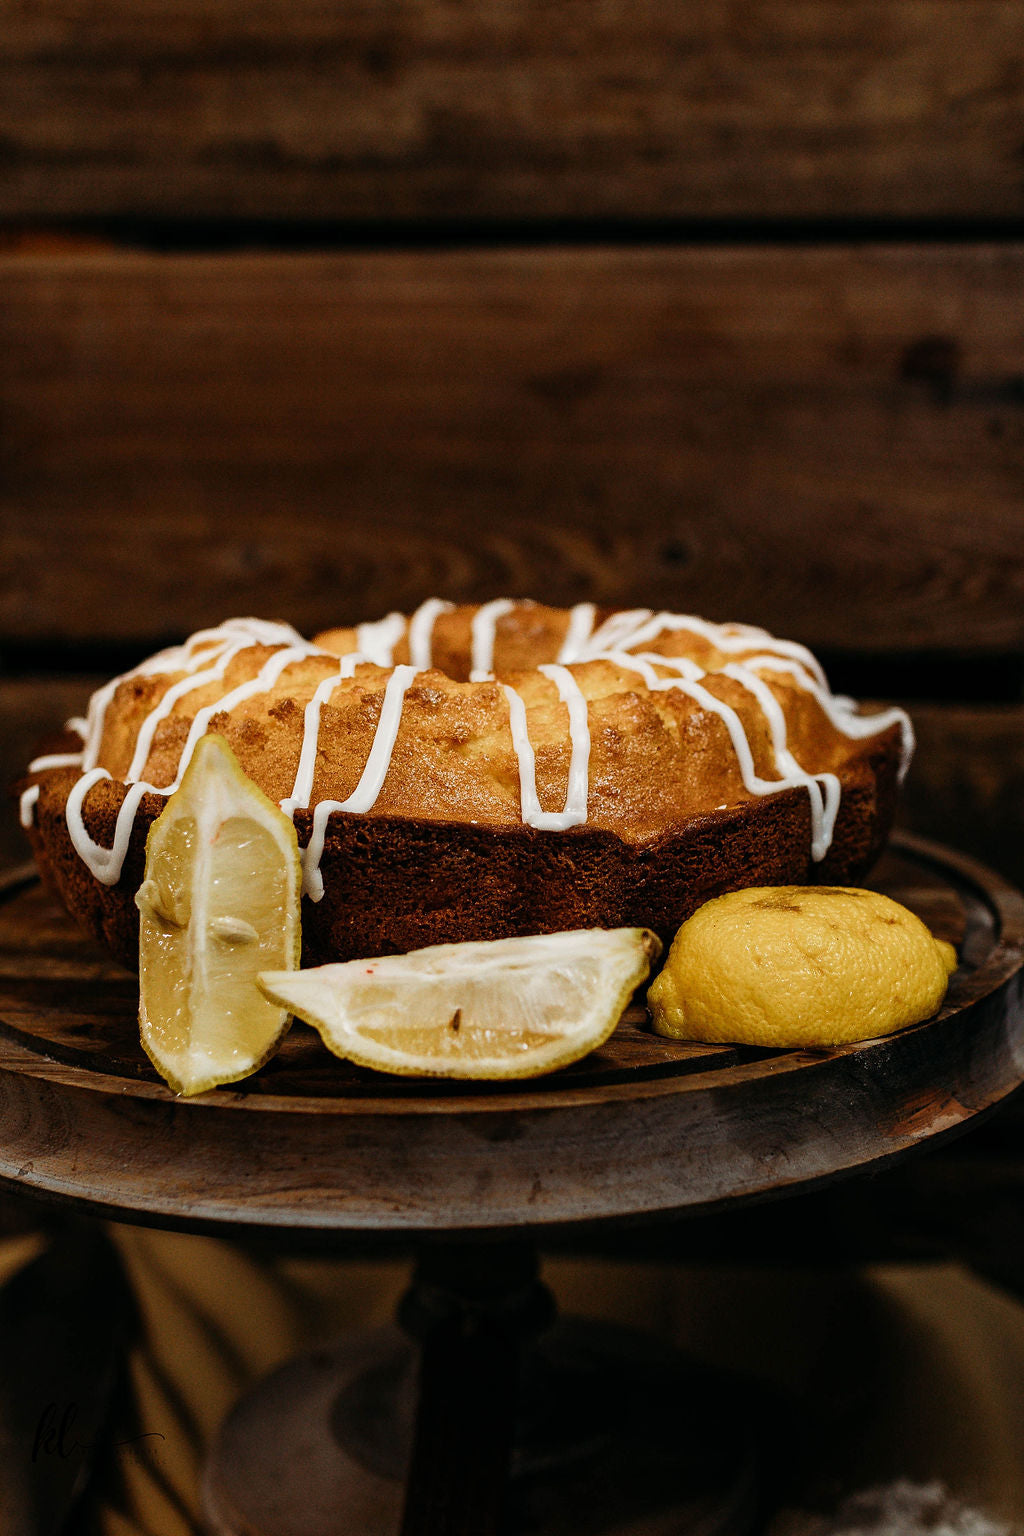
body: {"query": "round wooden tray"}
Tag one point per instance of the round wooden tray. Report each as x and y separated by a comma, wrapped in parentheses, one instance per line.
(642, 1127)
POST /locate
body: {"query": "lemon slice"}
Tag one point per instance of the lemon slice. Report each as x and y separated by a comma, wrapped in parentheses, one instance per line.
(219, 902)
(799, 966)
(502, 1009)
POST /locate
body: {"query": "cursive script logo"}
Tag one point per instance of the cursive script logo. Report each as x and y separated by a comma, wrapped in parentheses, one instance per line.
(55, 1434)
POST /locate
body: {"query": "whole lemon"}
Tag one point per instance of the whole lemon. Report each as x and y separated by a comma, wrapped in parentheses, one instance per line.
(796, 965)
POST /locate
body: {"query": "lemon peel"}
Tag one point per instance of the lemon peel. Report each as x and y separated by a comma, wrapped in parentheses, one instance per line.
(799, 966)
(218, 903)
(504, 1008)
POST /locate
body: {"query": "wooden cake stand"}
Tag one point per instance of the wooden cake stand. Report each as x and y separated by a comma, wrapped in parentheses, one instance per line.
(472, 1174)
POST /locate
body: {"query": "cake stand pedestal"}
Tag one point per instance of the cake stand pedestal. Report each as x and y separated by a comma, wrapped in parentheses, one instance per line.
(471, 1176)
(500, 1421)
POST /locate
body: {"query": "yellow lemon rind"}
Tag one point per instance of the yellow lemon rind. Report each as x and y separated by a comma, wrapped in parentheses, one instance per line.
(283, 833)
(496, 1069)
(727, 976)
(191, 1089)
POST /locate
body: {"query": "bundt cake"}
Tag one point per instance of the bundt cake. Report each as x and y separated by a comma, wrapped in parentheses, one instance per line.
(473, 772)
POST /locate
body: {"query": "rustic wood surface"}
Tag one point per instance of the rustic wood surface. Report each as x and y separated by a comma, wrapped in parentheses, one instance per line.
(309, 1143)
(323, 437)
(32, 709)
(616, 1434)
(966, 782)
(781, 108)
(50, 971)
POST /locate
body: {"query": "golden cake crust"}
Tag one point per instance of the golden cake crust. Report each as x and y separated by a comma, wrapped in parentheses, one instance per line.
(443, 853)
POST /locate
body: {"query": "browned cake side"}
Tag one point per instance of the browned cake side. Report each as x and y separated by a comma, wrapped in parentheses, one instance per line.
(444, 854)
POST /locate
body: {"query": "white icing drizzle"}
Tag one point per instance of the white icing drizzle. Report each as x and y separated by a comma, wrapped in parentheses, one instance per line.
(377, 641)
(187, 658)
(232, 637)
(370, 783)
(144, 740)
(575, 809)
(303, 786)
(105, 863)
(55, 760)
(627, 631)
(615, 633)
(485, 622)
(684, 665)
(93, 734)
(581, 626)
(205, 657)
(28, 797)
(639, 664)
(572, 697)
(823, 789)
(843, 712)
(521, 745)
(421, 631)
(267, 677)
(645, 662)
(741, 746)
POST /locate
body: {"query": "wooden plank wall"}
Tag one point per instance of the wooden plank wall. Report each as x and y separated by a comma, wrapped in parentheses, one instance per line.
(423, 110)
(312, 310)
(631, 424)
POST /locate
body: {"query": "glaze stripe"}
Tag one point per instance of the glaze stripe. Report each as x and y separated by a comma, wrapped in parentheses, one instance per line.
(377, 641)
(196, 652)
(26, 805)
(572, 697)
(303, 786)
(581, 627)
(823, 789)
(106, 864)
(370, 783)
(574, 810)
(144, 740)
(647, 625)
(483, 627)
(28, 797)
(843, 712)
(205, 657)
(421, 631)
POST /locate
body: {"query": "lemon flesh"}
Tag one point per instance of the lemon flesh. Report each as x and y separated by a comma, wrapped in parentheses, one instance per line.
(219, 903)
(799, 966)
(507, 1008)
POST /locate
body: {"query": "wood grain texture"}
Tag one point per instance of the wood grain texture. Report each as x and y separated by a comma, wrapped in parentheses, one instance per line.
(816, 108)
(381, 1157)
(967, 781)
(826, 441)
(31, 709)
(605, 1439)
(50, 970)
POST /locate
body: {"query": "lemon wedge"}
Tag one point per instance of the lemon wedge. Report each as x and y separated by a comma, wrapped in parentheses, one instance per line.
(799, 966)
(506, 1008)
(219, 903)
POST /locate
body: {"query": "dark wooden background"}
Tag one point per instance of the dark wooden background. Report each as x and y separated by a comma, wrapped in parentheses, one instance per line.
(312, 310)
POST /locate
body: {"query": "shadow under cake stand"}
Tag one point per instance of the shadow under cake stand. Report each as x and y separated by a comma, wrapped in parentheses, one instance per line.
(494, 1420)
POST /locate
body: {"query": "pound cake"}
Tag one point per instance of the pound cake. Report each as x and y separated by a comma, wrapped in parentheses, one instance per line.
(477, 772)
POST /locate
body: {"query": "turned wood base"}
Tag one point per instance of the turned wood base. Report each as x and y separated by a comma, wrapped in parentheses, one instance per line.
(590, 1428)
